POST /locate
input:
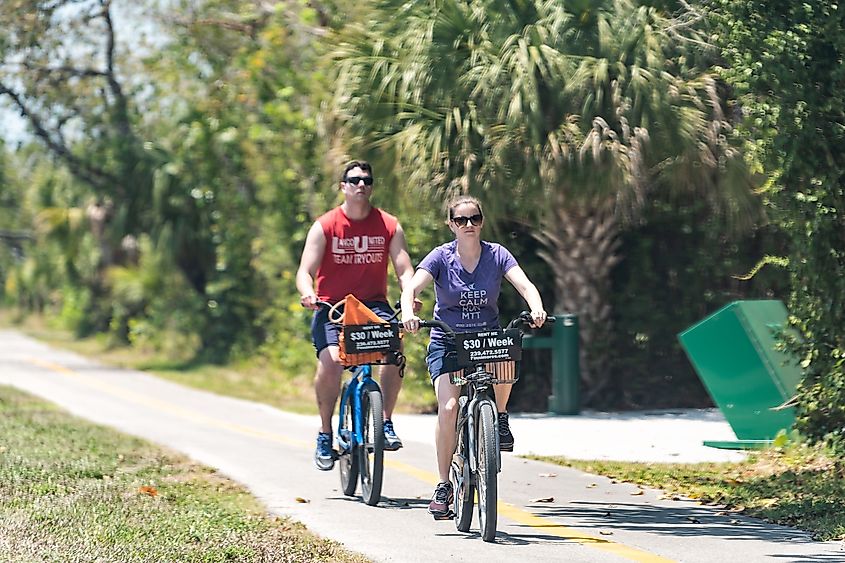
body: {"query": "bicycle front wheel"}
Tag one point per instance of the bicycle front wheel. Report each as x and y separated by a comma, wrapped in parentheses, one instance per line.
(348, 462)
(371, 451)
(488, 471)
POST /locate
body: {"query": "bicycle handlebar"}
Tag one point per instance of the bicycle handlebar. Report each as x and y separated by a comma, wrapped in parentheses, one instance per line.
(438, 324)
(525, 318)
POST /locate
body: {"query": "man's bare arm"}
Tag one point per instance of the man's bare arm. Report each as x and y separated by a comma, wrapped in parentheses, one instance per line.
(400, 257)
(312, 256)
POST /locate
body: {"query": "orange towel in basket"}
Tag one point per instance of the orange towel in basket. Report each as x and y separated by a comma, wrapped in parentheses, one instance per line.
(356, 313)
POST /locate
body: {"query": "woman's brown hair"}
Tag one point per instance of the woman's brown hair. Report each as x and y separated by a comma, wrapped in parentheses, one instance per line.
(460, 200)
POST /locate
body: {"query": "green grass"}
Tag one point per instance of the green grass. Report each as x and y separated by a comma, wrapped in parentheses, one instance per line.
(73, 491)
(253, 379)
(795, 485)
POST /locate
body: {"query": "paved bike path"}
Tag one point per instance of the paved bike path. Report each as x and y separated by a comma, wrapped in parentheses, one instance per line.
(547, 513)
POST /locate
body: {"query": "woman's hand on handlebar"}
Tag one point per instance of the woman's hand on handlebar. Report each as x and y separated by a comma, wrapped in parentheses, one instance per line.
(538, 318)
(533, 319)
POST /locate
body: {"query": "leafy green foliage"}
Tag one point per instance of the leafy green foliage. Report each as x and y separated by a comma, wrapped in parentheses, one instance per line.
(154, 306)
(681, 264)
(784, 59)
(10, 211)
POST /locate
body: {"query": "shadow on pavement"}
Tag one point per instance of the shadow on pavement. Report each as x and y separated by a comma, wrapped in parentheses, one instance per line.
(502, 538)
(396, 503)
(680, 521)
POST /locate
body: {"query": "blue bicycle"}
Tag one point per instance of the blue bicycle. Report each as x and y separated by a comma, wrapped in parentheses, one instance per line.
(360, 434)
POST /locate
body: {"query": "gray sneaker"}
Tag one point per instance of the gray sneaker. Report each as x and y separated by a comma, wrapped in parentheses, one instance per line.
(324, 455)
(440, 501)
(391, 440)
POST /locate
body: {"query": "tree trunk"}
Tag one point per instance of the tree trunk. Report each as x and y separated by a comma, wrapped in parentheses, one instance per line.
(580, 243)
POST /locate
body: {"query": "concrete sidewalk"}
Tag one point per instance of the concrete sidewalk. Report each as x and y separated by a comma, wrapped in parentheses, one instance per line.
(673, 436)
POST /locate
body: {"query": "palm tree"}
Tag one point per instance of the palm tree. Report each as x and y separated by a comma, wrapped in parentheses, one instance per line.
(565, 114)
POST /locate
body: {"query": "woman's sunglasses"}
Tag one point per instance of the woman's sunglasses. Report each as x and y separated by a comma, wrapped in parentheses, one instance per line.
(475, 220)
(368, 180)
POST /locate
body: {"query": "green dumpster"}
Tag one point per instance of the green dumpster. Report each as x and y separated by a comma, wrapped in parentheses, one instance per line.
(733, 352)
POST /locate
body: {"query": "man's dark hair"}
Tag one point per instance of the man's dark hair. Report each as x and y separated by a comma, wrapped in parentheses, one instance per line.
(362, 164)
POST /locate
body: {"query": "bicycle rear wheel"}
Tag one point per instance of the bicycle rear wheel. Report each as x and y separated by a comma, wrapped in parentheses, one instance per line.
(488, 471)
(348, 462)
(371, 452)
(461, 477)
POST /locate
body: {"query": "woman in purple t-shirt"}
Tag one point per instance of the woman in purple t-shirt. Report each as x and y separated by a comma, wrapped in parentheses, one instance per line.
(467, 273)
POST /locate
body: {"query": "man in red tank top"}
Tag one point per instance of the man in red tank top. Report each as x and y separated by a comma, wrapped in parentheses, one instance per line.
(346, 251)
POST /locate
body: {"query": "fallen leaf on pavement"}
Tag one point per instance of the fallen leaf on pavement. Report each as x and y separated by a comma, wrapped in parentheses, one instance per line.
(302, 500)
(548, 474)
(592, 486)
(543, 499)
(605, 533)
(638, 492)
(146, 490)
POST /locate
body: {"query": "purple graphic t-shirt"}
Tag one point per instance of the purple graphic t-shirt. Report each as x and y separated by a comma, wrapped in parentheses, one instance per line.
(467, 301)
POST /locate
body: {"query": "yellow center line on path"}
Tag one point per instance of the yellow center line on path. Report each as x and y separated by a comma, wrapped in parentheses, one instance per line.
(524, 517)
(504, 509)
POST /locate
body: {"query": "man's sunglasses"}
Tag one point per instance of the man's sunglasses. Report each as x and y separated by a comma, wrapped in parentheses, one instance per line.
(368, 180)
(475, 220)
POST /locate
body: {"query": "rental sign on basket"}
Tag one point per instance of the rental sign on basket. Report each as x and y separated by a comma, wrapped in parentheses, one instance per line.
(490, 346)
(359, 339)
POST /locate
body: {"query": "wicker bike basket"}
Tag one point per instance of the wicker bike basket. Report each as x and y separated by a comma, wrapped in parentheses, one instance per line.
(503, 372)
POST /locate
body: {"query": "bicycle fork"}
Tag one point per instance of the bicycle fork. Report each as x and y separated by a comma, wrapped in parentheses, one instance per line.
(359, 384)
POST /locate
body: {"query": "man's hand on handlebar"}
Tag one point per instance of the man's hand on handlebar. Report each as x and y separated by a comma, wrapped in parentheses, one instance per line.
(309, 301)
(412, 323)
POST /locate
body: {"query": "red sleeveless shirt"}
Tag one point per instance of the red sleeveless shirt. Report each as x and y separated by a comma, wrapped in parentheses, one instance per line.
(356, 256)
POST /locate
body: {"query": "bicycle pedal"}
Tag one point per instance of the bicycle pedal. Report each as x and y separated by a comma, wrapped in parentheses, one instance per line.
(445, 516)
